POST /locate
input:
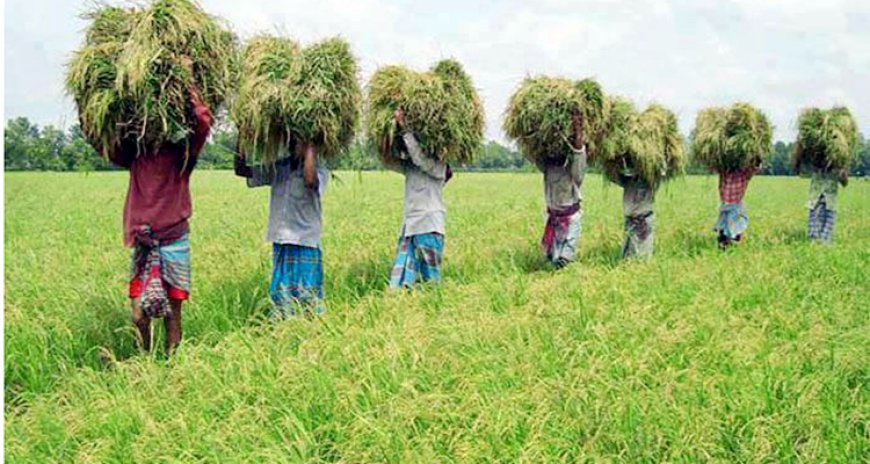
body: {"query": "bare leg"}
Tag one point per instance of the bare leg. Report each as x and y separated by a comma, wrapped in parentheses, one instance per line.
(172, 323)
(142, 323)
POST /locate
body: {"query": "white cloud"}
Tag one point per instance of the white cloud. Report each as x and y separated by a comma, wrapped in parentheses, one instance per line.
(781, 55)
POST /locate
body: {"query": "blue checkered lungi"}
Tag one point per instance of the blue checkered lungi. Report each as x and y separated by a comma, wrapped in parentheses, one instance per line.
(418, 258)
(820, 226)
(733, 220)
(297, 281)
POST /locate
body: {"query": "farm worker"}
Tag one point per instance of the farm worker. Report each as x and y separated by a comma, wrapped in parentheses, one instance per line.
(637, 207)
(155, 224)
(823, 203)
(733, 218)
(562, 183)
(421, 241)
(295, 227)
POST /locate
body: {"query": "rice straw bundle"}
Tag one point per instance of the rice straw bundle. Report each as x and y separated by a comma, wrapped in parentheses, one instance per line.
(732, 139)
(259, 108)
(540, 112)
(129, 81)
(827, 139)
(285, 94)
(441, 106)
(648, 144)
(326, 97)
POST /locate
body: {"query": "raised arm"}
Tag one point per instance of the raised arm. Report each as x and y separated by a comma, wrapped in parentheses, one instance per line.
(432, 168)
(578, 165)
(202, 122)
(241, 167)
(257, 176)
(309, 166)
(843, 177)
(578, 155)
(122, 154)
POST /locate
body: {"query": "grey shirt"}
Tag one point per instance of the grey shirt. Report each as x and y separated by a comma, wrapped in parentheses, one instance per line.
(562, 183)
(424, 182)
(294, 210)
(638, 198)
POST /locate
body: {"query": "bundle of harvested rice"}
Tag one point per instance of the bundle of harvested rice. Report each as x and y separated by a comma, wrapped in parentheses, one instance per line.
(310, 95)
(92, 74)
(326, 97)
(441, 108)
(648, 144)
(260, 107)
(732, 139)
(827, 139)
(129, 79)
(539, 116)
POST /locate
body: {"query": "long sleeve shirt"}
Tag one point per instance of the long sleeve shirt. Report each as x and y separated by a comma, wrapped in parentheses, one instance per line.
(158, 195)
(563, 182)
(424, 210)
(294, 210)
(823, 188)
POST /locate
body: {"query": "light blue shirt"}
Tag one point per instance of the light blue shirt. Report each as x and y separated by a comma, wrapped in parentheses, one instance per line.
(294, 210)
(424, 183)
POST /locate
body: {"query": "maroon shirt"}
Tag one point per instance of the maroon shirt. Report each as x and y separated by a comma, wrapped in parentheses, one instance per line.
(159, 190)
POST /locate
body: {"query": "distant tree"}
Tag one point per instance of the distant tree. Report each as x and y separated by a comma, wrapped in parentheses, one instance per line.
(861, 166)
(495, 156)
(359, 157)
(18, 141)
(780, 160)
(29, 147)
(221, 149)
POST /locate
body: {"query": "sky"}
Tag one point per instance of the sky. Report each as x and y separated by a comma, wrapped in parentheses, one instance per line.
(780, 55)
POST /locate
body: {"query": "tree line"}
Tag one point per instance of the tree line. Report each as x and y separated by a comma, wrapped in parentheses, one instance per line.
(28, 147)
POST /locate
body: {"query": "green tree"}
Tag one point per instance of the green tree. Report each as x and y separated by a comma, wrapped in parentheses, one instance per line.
(221, 149)
(18, 141)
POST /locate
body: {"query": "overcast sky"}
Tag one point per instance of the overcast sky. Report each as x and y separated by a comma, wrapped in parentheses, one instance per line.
(780, 55)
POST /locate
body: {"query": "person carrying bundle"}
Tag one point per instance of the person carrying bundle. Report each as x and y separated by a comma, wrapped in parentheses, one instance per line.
(827, 145)
(562, 192)
(296, 109)
(732, 142)
(297, 185)
(552, 120)
(156, 214)
(733, 218)
(419, 123)
(421, 241)
(639, 153)
(823, 203)
(145, 82)
(637, 208)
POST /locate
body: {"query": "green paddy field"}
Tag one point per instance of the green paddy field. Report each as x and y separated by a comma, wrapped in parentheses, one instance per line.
(758, 354)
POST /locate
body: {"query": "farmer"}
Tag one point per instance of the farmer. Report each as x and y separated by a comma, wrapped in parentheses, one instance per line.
(421, 242)
(297, 183)
(637, 207)
(733, 218)
(562, 183)
(823, 203)
(155, 223)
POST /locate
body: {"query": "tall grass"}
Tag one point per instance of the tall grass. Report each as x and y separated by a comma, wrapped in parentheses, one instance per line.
(758, 354)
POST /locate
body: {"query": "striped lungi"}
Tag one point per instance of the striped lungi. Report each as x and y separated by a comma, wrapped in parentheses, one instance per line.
(418, 258)
(820, 226)
(159, 272)
(297, 281)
